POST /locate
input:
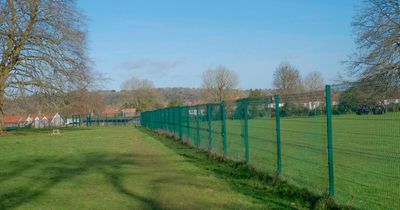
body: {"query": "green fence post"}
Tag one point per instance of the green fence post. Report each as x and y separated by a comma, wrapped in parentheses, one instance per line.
(161, 114)
(173, 121)
(329, 136)
(79, 120)
(198, 125)
(278, 135)
(223, 131)
(209, 127)
(246, 128)
(167, 119)
(188, 123)
(180, 123)
(115, 119)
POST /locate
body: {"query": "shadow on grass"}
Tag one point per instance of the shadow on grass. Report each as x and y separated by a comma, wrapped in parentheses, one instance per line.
(30, 131)
(45, 173)
(247, 180)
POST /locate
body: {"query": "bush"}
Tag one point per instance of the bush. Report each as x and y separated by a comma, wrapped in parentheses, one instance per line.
(292, 109)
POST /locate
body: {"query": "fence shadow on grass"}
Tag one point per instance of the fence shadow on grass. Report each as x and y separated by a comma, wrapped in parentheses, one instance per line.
(44, 173)
(250, 182)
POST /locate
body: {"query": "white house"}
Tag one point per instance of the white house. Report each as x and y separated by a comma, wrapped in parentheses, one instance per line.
(311, 105)
(57, 121)
(272, 105)
(44, 122)
(391, 101)
(36, 122)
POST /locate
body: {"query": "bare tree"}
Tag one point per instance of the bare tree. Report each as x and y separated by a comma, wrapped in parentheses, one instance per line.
(287, 78)
(377, 30)
(313, 81)
(135, 83)
(140, 94)
(42, 48)
(82, 102)
(219, 84)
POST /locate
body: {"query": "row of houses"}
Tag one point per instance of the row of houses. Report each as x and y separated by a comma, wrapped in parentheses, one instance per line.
(42, 120)
(34, 121)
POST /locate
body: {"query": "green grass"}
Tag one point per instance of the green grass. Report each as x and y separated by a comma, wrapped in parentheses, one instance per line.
(124, 168)
(366, 154)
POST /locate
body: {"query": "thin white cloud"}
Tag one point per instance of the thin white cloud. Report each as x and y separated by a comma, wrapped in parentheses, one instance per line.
(148, 67)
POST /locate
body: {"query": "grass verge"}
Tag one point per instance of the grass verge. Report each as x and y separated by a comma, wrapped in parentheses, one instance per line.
(246, 179)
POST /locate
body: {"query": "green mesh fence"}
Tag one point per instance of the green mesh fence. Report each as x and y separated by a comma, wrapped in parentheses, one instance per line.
(343, 140)
(304, 140)
(236, 148)
(366, 128)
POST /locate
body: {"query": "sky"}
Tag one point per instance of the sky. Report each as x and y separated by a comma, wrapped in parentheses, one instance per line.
(172, 42)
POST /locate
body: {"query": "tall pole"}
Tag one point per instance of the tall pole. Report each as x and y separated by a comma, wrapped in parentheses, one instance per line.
(278, 135)
(329, 136)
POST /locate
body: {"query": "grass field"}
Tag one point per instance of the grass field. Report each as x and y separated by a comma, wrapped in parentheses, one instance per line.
(124, 168)
(366, 154)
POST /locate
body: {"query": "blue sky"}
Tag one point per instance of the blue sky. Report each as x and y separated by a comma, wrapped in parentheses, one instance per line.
(173, 41)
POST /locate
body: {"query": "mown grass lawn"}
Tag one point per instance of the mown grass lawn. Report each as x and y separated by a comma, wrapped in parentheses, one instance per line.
(120, 168)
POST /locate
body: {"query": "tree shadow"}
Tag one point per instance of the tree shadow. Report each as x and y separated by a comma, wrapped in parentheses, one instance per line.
(48, 172)
(32, 131)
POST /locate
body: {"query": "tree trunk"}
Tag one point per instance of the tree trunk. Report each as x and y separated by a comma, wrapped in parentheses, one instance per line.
(2, 128)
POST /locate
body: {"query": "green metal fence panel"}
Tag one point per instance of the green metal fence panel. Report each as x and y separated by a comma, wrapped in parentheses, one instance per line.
(304, 140)
(297, 133)
(235, 130)
(180, 118)
(260, 134)
(246, 128)
(192, 125)
(198, 119)
(216, 126)
(204, 127)
(223, 129)
(366, 144)
(209, 121)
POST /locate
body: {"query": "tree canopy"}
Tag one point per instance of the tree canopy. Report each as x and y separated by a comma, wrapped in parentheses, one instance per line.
(42, 48)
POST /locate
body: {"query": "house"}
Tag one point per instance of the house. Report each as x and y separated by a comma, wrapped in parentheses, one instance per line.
(129, 112)
(13, 121)
(29, 120)
(37, 121)
(57, 121)
(311, 105)
(32, 120)
(44, 122)
(109, 112)
(391, 101)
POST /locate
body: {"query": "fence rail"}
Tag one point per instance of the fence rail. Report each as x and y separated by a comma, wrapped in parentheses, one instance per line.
(332, 141)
